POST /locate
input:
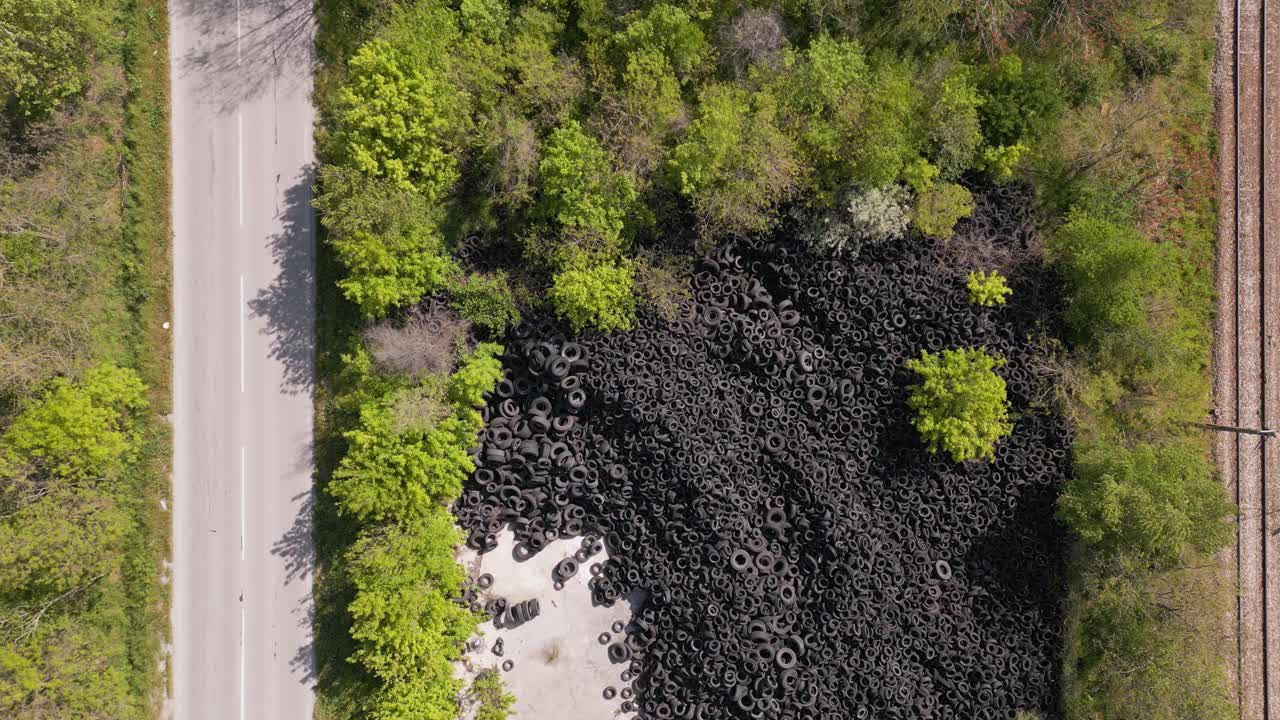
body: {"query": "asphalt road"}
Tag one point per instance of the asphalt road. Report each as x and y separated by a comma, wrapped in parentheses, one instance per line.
(243, 358)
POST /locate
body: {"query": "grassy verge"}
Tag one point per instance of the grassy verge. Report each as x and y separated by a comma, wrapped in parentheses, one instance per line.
(147, 289)
(1144, 611)
(84, 281)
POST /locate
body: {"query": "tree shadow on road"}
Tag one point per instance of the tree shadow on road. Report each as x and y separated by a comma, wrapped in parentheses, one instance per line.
(274, 51)
(287, 306)
(297, 545)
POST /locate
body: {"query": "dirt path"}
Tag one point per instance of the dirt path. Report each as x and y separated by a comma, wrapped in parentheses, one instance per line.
(1247, 393)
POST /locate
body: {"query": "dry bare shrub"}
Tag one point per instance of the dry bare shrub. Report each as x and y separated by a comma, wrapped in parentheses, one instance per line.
(662, 282)
(1000, 235)
(419, 408)
(513, 158)
(426, 342)
(753, 38)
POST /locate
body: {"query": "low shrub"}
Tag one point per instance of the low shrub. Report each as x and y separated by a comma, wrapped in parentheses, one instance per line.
(486, 301)
(988, 289)
(1156, 502)
(960, 402)
(1111, 273)
(937, 210)
(871, 217)
(492, 700)
(593, 293)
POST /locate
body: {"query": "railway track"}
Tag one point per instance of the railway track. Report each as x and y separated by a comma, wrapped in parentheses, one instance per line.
(1247, 390)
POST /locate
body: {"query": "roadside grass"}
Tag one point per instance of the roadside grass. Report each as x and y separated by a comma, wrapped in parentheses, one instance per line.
(1146, 642)
(85, 279)
(147, 289)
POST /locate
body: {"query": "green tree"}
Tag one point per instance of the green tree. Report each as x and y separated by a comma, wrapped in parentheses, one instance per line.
(399, 119)
(476, 376)
(595, 293)
(486, 301)
(887, 134)
(63, 540)
(1111, 273)
(492, 700)
(386, 235)
(1137, 647)
(41, 55)
(77, 430)
(386, 475)
(1152, 501)
(636, 119)
(404, 620)
(1020, 101)
(825, 97)
(960, 402)
(587, 200)
(547, 84)
(937, 210)
(67, 667)
(485, 18)
(734, 162)
(988, 289)
(670, 30)
(422, 697)
(955, 132)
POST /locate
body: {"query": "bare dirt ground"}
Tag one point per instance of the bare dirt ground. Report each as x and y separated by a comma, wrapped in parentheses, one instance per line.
(1246, 391)
(560, 668)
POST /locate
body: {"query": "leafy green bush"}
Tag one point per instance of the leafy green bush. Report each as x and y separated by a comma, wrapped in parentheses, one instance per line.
(1020, 101)
(734, 162)
(387, 475)
(1000, 161)
(486, 18)
(76, 430)
(63, 539)
(587, 200)
(400, 120)
(1111, 274)
(386, 236)
(937, 210)
(988, 289)
(1155, 502)
(486, 301)
(404, 620)
(955, 132)
(670, 30)
(42, 59)
(920, 174)
(595, 293)
(960, 402)
(476, 376)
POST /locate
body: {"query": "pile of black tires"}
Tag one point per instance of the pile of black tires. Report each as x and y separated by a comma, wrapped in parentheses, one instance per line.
(753, 472)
